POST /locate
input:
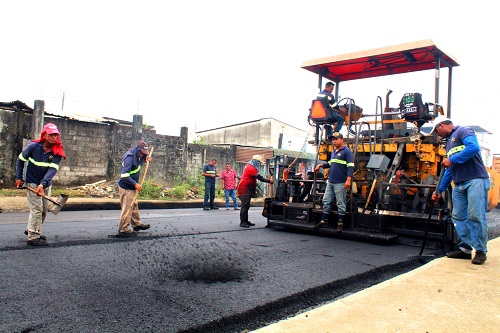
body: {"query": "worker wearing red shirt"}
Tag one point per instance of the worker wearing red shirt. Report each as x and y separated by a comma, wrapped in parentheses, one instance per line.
(247, 187)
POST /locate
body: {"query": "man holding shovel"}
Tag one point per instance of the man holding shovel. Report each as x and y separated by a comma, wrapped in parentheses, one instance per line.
(43, 157)
(128, 187)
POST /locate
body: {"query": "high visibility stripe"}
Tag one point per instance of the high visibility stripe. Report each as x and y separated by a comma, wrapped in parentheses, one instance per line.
(210, 171)
(125, 175)
(40, 164)
(323, 96)
(334, 160)
(350, 164)
(21, 157)
(455, 150)
(136, 170)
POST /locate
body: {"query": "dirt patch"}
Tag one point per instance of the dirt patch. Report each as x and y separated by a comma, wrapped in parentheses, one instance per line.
(13, 204)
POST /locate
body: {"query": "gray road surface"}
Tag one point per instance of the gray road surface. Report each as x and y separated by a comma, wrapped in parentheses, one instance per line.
(193, 271)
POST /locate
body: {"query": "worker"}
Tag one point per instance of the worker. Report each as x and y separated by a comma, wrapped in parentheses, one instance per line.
(341, 166)
(210, 173)
(247, 187)
(128, 186)
(464, 166)
(43, 156)
(327, 96)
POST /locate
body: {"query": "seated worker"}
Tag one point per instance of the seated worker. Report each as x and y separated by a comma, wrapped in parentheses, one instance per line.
(327, 96)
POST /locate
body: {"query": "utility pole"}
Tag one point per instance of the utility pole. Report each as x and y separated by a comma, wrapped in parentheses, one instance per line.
(62, 106)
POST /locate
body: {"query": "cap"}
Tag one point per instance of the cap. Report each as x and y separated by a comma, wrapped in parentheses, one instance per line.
(259, 158)
(50, 129)
(438, 120)
(336, 135)
(143, 146)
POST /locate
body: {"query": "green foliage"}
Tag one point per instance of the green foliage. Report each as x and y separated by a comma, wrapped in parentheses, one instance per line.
(179, 192)
(151, 190)
(200, 141)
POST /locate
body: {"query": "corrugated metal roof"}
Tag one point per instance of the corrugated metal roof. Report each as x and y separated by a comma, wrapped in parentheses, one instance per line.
(245, 153)
(15, 105)
(80, 117)
(294, 154)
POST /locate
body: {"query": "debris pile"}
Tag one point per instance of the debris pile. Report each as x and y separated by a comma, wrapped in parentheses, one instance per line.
(100, 189)
(109, 189)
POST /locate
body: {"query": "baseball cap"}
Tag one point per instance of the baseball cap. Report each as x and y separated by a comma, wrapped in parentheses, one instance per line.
(259, 158)
(336, 135)
(143, 146)
(438, 120)
(50, 129)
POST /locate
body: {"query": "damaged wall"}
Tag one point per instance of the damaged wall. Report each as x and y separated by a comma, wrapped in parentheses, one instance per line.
(94, 151)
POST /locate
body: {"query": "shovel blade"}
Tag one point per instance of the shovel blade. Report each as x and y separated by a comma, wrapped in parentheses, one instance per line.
(61, 200)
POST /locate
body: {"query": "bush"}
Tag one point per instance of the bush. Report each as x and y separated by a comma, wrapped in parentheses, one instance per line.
(151, 190)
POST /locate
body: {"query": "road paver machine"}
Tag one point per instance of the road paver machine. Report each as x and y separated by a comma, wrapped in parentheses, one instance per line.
(397, 164)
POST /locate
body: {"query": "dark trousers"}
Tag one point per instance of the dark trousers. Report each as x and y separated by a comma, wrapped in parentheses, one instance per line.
(209, 194)
(245, 206)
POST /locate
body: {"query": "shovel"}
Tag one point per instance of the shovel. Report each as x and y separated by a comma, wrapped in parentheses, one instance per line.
(59, 203)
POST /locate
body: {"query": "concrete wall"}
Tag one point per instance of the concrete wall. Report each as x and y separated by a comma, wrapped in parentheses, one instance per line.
(94, 151)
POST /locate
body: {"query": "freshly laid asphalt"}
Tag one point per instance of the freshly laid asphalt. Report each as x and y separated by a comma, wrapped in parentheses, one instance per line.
(444, 295)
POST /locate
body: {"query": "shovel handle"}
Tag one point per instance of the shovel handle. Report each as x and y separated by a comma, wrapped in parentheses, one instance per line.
(43, 196)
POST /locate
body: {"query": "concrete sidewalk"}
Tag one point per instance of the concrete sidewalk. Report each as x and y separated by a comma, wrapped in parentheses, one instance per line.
(445, 295)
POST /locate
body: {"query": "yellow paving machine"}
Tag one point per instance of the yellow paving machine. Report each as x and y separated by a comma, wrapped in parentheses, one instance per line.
(396, 164)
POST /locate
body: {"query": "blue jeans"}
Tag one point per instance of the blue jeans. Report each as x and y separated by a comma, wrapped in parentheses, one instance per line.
(334, 192)
(231, 194)
(470, 202)
(340, 122)
(209, 194)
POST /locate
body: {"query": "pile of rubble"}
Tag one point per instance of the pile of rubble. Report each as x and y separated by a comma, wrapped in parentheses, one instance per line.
(100, 189)
(109, 189)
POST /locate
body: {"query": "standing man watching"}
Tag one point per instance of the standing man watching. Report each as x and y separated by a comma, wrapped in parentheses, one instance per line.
(210, 173)
(43, 157)
(326, 94)
(341, 166)
(465, 167)
(229, 179)
(128, 184)
(248, 186)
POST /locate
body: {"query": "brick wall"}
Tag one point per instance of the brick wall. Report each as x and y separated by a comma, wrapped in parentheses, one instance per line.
(94, 151)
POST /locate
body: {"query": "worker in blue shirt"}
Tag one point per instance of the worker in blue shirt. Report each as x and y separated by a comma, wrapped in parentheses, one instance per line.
(42, 157)
(341, 166)
(465, 167)
(326, 94)
(128, 185)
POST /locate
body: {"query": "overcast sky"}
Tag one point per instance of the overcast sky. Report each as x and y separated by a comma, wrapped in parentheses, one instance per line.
(208, 64)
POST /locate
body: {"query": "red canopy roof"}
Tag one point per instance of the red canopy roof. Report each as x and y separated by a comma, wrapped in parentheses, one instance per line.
(397, 59)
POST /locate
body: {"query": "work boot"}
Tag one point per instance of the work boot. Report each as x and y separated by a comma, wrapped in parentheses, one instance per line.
(244, 225)
(340, 226)
(41, 236)
(214, 208)
(126, 234)
(38, 242)
(459, 255)
(206, 208)
(250, 224)
(142, 226)
(479, 258)
(322, 224)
